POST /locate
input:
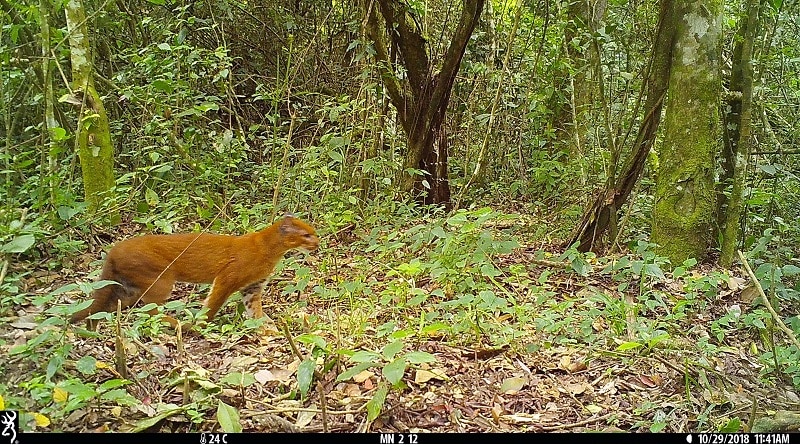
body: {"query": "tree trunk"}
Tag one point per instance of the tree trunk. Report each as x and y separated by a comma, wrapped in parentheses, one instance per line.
(422, 99)
(603, 211)
(684, 194)
(738, 134)
(93, 139)
(50, 122)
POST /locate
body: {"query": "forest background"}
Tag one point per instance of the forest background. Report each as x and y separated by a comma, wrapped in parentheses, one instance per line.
(531, 211)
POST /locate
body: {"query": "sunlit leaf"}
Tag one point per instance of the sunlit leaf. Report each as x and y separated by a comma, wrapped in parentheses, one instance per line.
(228, 418)
(394, 370)
(60, 395)
(19, 244)
(375, 404)
(628, 346)
(41, 420)
(305, 375)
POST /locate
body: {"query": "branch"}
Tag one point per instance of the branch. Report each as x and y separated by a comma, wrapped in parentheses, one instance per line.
(760, 289)
(393, 87)
(411, 43)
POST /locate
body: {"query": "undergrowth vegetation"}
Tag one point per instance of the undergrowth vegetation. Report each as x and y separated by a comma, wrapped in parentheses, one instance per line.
(371, 302)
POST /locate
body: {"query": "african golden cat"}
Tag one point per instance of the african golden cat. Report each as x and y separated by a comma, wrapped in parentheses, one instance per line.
(147, 267)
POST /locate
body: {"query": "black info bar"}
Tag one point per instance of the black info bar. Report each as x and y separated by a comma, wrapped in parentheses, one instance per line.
(408, 438)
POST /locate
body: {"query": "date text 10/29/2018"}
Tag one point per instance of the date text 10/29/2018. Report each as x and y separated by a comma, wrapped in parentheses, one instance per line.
(740, 439)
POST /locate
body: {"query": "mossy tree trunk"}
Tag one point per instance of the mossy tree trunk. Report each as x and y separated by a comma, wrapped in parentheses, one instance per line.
(93, 139)
(422, 97)
(683, 212)
(737, 134)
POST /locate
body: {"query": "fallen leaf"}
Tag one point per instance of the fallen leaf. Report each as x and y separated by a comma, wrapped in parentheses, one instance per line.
(576, 367)
(422, 375)
(521, 418)
(363, 376)
(60, 395)
(440, 408)
(647, 381)
(230, 392)
(41, 420)
(264, 376)
(565, 362)
(576, 388)
(735, 283)
(368, 385)
(513, 385)
(594, 409)
(116, 411)
(352, 390)
(243, 362)
(282, 375)
(305, 417)
(608, 388)
(749, 294)
(497, 411)
(24, 325)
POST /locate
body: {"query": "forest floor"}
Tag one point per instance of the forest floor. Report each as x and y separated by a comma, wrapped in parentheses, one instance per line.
(569, 352)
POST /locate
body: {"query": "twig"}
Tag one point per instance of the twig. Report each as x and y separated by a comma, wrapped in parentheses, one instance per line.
(323, 405)
(578, 423)
(760, 289)
(120, 360)
(292, 409)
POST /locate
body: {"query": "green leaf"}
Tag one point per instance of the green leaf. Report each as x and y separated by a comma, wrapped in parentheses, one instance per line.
(580, 266)
(390, 350)
(375, 404)
(149, 422)
(111, 384)
(151, 197)
(86, 365)
(162, 85)
(336, 156)
(59, 134)
(417, 357)
(365, 356)
(243, 379)
(228, 418)
(629, 345)
(732, 426)
(434, 328)
(54, 365)
(489, 270)
(653, 270)
(790, 270)
(305, 375)
(394, 370)
(439, 232)
(206, 106)
(19, 244)
(311, 339)
(347, 375)
(164, 46)
(120, 396)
